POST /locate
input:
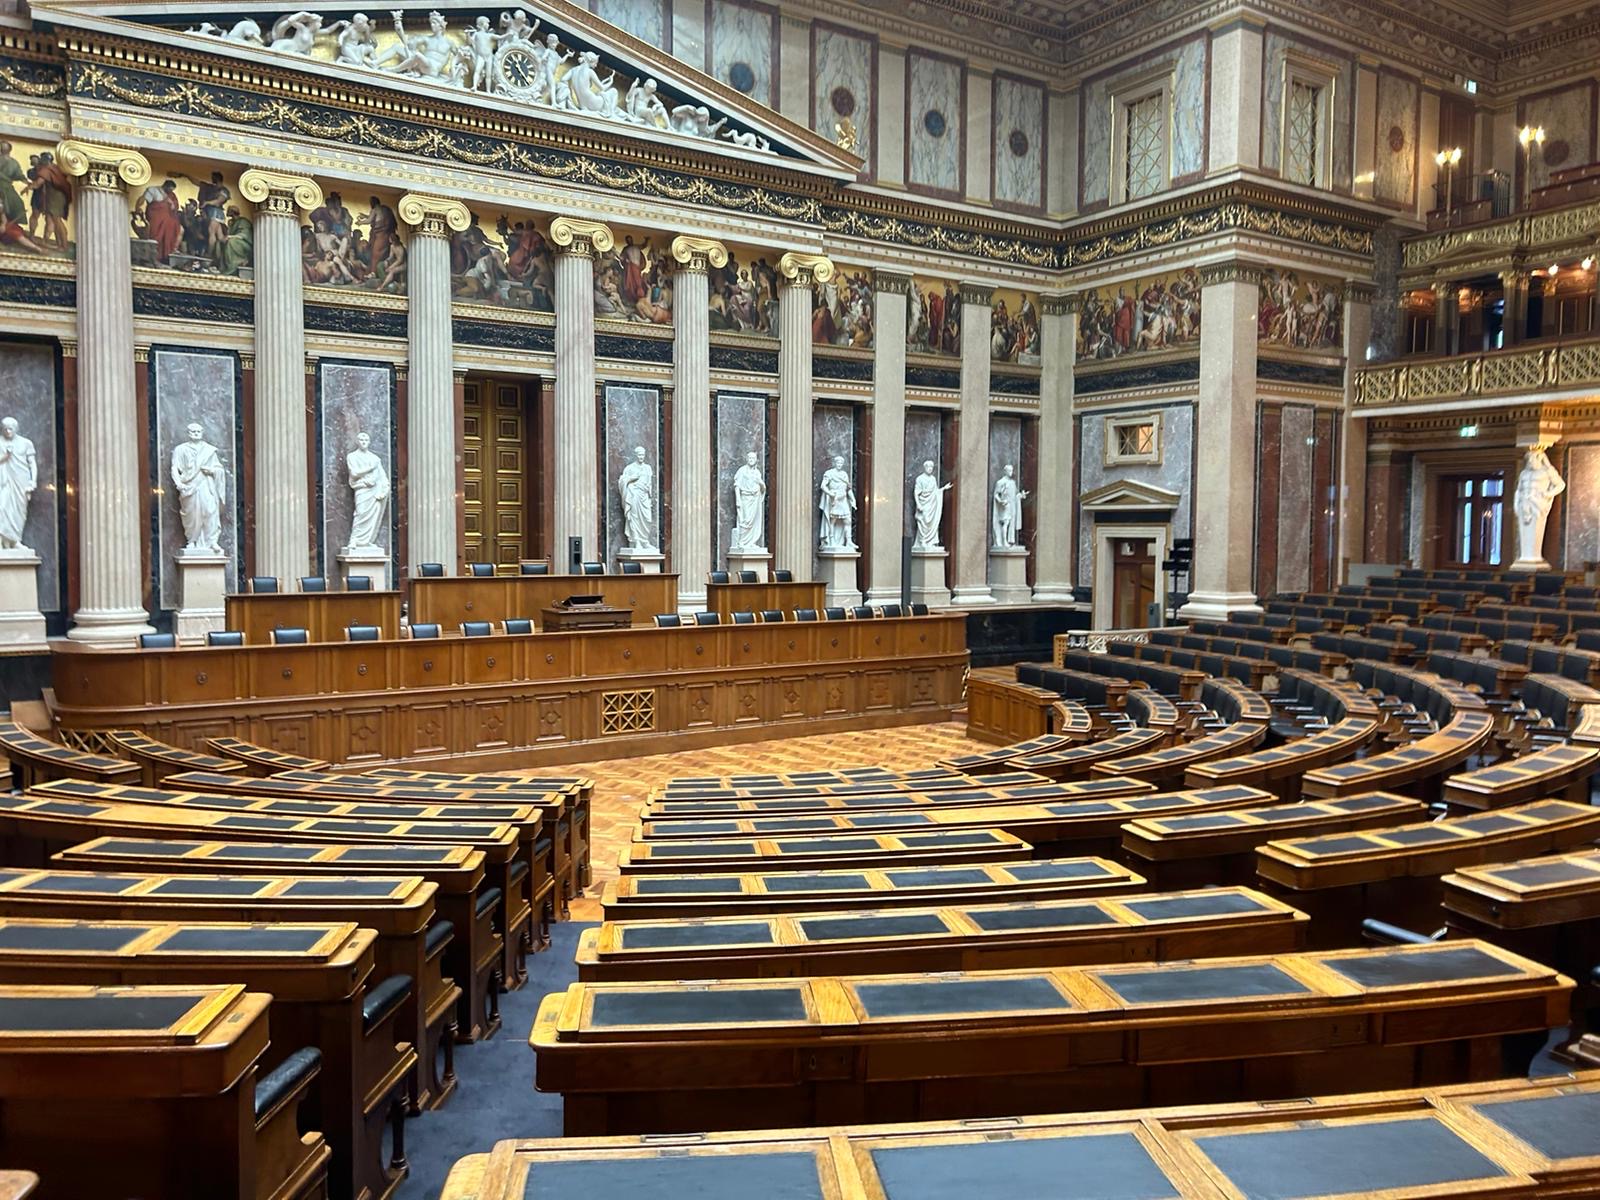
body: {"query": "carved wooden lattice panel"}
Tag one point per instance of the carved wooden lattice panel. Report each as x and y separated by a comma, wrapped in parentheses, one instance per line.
(628, 712)
(1300, 158)
(1579, 364)
(1147, 147)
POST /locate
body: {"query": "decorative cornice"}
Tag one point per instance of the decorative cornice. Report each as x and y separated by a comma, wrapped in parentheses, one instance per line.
(979, 295)
(801, 269)
(434, 216)
(103, 168)
(891, 283)
(1063, 305)
(582, 238)
(69, 348)
(247, 360)
(1360, 292)
(141, 354)
(1230, 272)
(278, 194)
(698, 253)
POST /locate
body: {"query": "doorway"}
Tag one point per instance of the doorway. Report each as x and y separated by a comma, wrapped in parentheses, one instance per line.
(1133, 582)
(500, 494)
(1472, 514)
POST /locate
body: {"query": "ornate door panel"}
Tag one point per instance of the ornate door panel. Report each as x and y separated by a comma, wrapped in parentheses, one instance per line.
(494, 441)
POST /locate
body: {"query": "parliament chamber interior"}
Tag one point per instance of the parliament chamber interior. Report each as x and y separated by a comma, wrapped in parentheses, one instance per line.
(799, 599)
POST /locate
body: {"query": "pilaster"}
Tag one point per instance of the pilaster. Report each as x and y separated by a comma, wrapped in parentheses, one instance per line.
(577, 448)
(796, 534)
(973, 482)
(1055, 510)
(888, 485)
(694, 492)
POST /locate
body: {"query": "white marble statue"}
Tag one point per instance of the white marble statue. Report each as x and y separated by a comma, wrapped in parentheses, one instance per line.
(746, 140)
(200, 479)
(548, 56)
(514, 27)
(695, 121)
(358, 41)
(243, 33)
(927, 495)
(19, 478)
(582, 90)
(295, 33)
(1007, 519)
(431, 55)
(837, 506)
(750, 508)
(481, 44)
(644, 106)
(637, 485)
(369, 483)
(1538, 485)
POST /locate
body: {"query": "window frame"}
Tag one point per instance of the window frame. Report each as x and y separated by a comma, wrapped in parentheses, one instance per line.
(1314, 73)
(1114, 456)
(1124, 95)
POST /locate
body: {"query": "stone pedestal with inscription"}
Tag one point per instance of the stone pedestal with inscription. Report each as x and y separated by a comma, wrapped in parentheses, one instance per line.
(370, 561)
(928, 575)
(649, 560)
(758, 561)
(839, 577)
(203, 584)
(21, 622)
(1008, 575)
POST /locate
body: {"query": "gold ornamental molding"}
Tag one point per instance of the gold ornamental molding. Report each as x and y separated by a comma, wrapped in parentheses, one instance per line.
(1500, 373)
(1066, 305)
(698, 253)
(433, 216)
(585, 238)
(103, 168)
(1359, 292)
(278, 193)
(891, 282)
(1230, 272)
(805, 269)
(979, 294)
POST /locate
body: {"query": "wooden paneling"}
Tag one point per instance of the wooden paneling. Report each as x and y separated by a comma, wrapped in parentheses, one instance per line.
(456, 598)
(324, 615)
(729, 598)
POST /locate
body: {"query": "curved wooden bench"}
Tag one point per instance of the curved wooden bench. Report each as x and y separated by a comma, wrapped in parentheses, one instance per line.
(1234, 702)
(1416, 766)
(264, 760)
(729, 856)
(1280, 768)
(1077, 761)
(473, 780)
(35, 759)
(157, 760)
(1165, 767)
(1562, 770)
(749, 788)
(999, 759)
(1081, 789)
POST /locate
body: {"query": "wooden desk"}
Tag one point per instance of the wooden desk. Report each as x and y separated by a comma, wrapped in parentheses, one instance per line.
(323, 615)
(729, 856)
(1076, 762)
(157, 760)
(1415, 768)
(1561, 770)
(1165, 767)
(34, 759)
(891, 801)
(558, 618)
(454, 599)
(1281, 768)
(809, 784)
(729, 598)
(1003, 711)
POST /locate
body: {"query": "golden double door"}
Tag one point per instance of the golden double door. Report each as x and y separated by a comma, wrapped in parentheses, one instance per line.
(500, 490)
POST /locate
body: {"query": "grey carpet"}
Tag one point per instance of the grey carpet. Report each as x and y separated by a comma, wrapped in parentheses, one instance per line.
(495, 1099)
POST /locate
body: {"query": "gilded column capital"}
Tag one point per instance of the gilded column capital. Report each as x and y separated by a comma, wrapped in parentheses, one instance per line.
(1359, 291)
(582, 238)
(69, 348)
(1442, 289)
(434, 216)
(891, 282)
(1063, 304)
(698, 253)
(980, 295)
(103, 168)
(802, 270)
(279, 195)
(1230, 272)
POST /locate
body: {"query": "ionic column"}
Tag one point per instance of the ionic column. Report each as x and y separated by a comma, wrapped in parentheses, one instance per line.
(433, 447)
(796, 535)
(694, 500)
(1352, 494)
(1053, 513)
(1224, 486)
(577, 450)
(888, 496)
(971, 584)
(110, 569)
(283, 502)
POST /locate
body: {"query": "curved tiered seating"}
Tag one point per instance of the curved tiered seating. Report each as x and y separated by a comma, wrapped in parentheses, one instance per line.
(35, 759)
(880, 802)
(157, 760)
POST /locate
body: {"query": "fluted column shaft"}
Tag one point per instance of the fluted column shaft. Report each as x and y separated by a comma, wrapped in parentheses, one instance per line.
(796, 535)
(110, 570)
(433, 446)
(972, 475)
(283, 502)
(693, 498)
(1352, 494)
(888, 495)
(1055, 504)
(577, 448)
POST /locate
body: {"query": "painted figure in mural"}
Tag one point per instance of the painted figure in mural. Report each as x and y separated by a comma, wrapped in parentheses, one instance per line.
(19, 478)
(50, 200)
(13, 212)
(158, 217)
(1538, 485)
(369, 484)
(199, 476)
(1007, 519)
(837, 505)
(358, 41)
(381, 225)
(637, 485)
(237, 250)
(1159, 315)
(1014, 336)
(296, 33)
(430, 55)
(927, 495)
(750, 507)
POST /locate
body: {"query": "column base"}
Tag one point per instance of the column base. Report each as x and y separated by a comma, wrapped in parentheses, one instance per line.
(1530, 564)
(690, 603)
(649, 561)
(839, 577)
(1008, 574)
(970, 595)
(1217, 606)
(109, 626)
(928, 586)
(371, 561)
(21, 622)
(750, 560)
(203, 585)
(1054, 593)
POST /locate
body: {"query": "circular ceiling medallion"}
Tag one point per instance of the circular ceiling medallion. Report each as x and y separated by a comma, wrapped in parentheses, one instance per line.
(742, 77)
(1556, 153)
(843, 101)
(1397, 139)
(933, 121)
(1018, 141)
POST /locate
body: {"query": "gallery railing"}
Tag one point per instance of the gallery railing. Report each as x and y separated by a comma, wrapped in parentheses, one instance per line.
(1519, 371)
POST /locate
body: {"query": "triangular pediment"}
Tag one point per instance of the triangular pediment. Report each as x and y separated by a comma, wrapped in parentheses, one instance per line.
(1125, 495)
(593, 77)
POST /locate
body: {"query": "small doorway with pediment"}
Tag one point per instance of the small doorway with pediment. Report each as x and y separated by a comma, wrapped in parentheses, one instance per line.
(1132, 524)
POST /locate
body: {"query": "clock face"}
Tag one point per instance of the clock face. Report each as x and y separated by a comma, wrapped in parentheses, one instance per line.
(517, 68)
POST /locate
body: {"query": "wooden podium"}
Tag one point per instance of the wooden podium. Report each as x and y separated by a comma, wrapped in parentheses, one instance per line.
(560, 619)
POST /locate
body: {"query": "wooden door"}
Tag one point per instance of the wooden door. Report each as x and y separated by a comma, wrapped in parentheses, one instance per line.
(1133, 582)
(496, 457)
(1472, 512)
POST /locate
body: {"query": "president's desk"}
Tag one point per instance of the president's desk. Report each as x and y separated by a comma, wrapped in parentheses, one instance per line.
(452, 599)
(525, 699)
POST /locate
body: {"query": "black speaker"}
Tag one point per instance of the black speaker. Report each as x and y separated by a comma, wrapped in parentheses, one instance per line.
(574, 556)
(905, 574)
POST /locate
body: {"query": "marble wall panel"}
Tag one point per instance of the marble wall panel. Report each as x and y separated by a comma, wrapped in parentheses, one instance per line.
(1174, 472)
(1018, 142)
(924, 443)
(1295, 500)
(633, 280)
(196, 223)
(1300, 312)
(1394, 179)
(744, 294)
(1568, 120)
(632, 418)
(933, 317)
(194, 386)
(1414, 521)
(353, 398)
(1276, 49)
(39, 219)
(644, 19)
(1014, 327)
(833, 432)
(28, 392)
(503, 258)
(935, 150)
(1094, 171)
(1005, 448)
(1159, 312)
(842, 86)
(741, 427)
(841, 310)
(1189, 108)
(1582, 507)
(742, 44)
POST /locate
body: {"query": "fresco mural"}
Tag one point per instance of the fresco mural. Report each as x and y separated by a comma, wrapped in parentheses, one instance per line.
(1014, 327)
(35, 200)
(1302, 312)
(512, 266)
(841, 310)
(744, 295)
(933, 318)
(1140, 315)
(347, 244)
(633, 281)
(195, 223)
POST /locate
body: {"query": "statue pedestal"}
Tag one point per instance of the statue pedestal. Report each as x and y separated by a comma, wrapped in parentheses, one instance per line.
(1530, 564)
(750, 560)
(928, 576)
(839, 585)
(371, 561)
(1008, 574)
(649, 561)
(21, 622)
(203, 585)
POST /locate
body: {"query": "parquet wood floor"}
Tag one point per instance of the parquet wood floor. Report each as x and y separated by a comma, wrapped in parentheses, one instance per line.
(622, 785)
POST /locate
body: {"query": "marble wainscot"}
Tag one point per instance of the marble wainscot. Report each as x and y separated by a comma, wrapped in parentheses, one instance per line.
(740, 430)
(632, 419)
(356, 398)
(930, 565)
(28, 394)
(1008, 565)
